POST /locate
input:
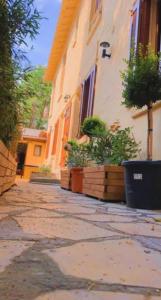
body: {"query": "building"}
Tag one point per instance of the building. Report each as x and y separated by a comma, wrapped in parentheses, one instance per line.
(31, 151)
(87, 82)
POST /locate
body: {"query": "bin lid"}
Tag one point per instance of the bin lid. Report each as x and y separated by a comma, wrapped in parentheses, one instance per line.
(141, 163)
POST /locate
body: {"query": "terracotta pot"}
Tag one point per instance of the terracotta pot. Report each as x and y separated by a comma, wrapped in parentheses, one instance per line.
(77, 180)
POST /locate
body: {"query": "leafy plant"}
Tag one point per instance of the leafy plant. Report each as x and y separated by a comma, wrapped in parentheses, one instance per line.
(93, 126)
(100, 147)
(110, 146)
(45, 169)
(124, 146)
(142, 84)
(77, 154)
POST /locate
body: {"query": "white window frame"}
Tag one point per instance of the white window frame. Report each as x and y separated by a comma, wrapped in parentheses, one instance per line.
(136, 7)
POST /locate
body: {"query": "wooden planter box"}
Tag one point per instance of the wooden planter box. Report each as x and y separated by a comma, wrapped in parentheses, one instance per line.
(104, 182)
(65, 181)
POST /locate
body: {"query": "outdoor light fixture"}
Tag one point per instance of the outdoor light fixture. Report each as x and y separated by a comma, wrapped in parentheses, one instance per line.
(66, 98)
(105, 45)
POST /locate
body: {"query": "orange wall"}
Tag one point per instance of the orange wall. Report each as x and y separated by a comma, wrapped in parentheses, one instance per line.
(32, 162)
(31, 159)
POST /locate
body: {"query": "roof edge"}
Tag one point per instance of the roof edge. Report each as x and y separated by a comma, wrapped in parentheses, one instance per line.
(67, 16)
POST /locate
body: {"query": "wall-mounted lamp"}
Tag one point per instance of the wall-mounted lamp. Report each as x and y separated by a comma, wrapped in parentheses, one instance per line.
(105, 45)
(66, 98)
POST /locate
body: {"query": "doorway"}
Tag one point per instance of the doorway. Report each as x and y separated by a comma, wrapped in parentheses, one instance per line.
(21, 157)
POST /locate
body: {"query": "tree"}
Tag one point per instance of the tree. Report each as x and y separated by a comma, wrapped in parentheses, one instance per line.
(37, 98)
(142, 85)
(19, 20)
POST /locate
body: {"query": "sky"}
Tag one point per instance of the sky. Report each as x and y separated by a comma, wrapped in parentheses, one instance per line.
(42, 45)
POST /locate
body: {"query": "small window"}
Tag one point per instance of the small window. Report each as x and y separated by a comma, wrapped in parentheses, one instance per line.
(37, 150)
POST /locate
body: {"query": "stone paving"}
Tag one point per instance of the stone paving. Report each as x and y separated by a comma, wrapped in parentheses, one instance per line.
(56, 245)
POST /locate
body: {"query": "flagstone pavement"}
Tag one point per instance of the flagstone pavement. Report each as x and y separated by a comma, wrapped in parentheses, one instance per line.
(56, 245)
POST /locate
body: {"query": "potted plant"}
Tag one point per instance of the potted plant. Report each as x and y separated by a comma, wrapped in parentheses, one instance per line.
(107, 148)
(142, 87)
(77, 159)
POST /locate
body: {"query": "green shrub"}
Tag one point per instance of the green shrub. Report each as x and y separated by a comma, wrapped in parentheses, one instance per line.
(93, 126)
(77, 154)
(124, 146)
(45, 169)
(100, 148)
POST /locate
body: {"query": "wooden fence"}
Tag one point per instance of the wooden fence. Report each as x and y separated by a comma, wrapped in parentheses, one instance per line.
(8, 167)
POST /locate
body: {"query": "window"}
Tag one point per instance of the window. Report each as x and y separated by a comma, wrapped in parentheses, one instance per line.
(140, 23)
(55, 138)
(96, 12)
(87, 101)
(37, 150)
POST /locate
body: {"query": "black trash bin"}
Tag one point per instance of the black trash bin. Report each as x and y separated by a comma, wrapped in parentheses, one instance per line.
(143, 184)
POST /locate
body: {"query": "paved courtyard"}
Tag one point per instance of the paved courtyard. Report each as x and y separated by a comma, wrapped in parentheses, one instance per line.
(56, 245)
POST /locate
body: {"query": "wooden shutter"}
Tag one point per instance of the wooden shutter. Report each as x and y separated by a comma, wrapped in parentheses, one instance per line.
(87, 99)
(159, 26)
(140, 23)
(91, 92)
(67, 118)
(48, 144)
(55, 138)
(144, 22)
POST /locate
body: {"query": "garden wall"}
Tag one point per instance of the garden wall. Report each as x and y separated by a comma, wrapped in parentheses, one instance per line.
(8, 167)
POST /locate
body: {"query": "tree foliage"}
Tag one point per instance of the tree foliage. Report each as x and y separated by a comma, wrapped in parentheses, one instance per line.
(19, 20)
(142, 78)
(36, 95)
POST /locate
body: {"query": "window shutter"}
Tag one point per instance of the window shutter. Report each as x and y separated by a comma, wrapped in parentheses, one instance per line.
(159, 26)
(87, 98)
(48, 144)
(144, 22)
(91, 92)
(55, 138)
(140, 23)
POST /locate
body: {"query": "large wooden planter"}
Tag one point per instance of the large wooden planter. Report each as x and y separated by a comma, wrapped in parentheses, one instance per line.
(65, 181)
(104, 182)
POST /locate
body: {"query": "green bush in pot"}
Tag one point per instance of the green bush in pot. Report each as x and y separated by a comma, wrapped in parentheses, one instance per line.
(107, 146)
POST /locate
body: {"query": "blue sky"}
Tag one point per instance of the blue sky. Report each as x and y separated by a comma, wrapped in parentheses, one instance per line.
(42, 45)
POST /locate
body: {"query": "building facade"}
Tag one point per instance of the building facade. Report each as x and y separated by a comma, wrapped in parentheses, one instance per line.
(31, 151)
(86, 81)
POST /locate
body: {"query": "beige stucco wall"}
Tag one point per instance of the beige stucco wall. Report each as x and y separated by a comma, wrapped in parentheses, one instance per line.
(114, 27)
